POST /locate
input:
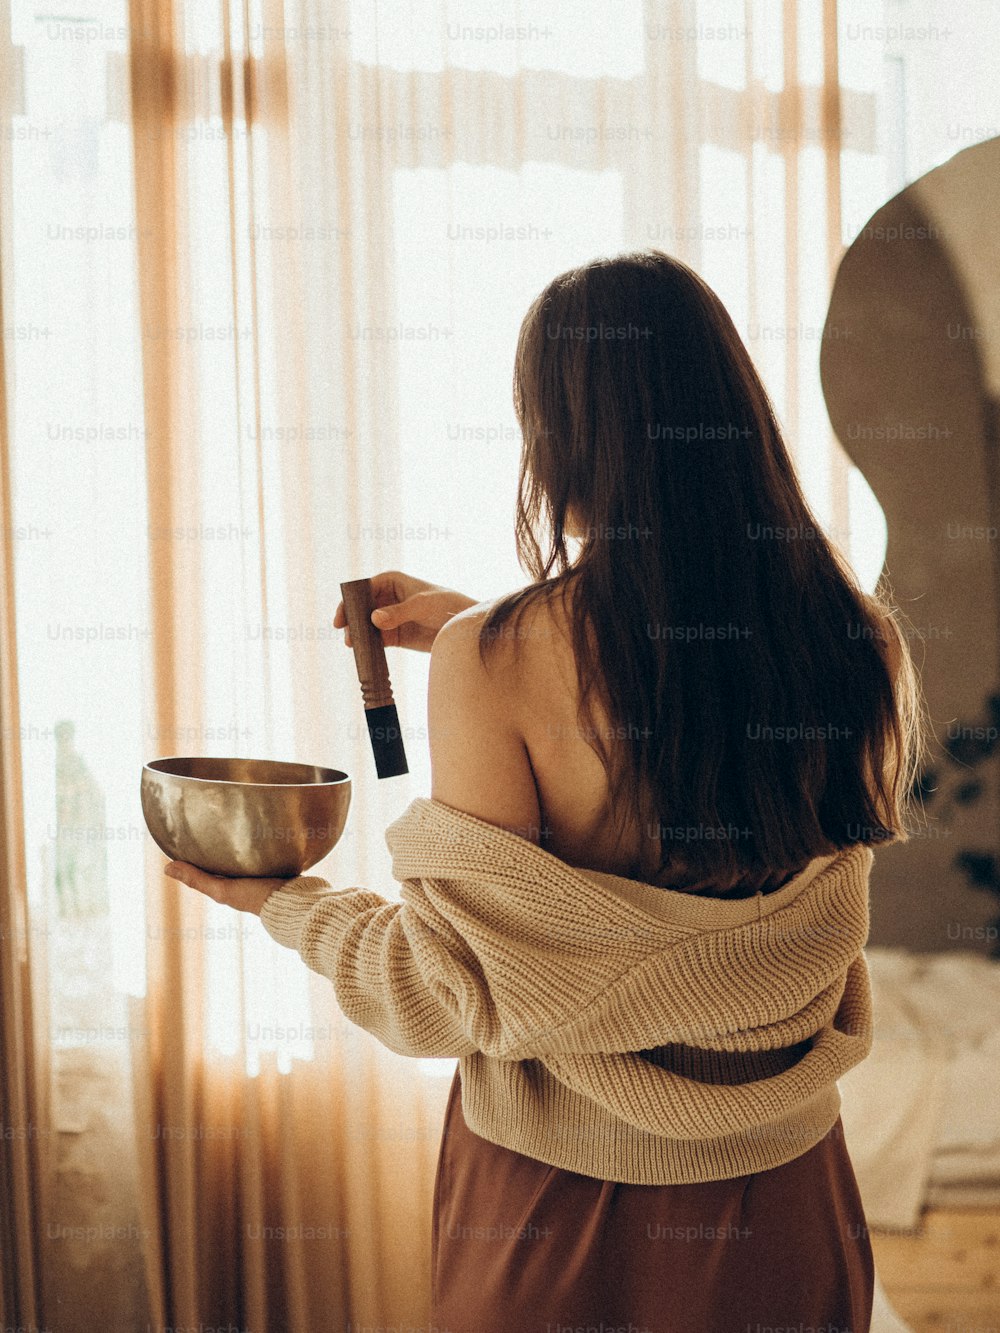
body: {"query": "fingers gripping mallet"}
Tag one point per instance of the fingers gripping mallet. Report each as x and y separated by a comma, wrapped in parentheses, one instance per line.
(373, 673)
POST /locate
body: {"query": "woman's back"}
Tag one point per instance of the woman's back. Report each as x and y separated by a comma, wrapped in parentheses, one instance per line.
(572, 785)
(796, 1238)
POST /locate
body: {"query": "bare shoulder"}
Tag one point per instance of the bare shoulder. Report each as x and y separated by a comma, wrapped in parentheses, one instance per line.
(526, 671)
(479, 763)
(534, 649)
(531, 634)
(459, 638)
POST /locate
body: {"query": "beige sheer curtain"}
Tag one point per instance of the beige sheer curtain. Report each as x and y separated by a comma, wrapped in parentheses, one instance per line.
(23, 1104)
(326, 328)
(276, 1199)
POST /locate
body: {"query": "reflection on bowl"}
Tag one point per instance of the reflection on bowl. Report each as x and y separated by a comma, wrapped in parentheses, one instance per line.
(257, 817)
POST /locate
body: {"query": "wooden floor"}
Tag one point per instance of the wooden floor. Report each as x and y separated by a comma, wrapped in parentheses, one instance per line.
(944, 1278)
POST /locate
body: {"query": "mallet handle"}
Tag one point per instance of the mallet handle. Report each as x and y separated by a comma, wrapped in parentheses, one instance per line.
(373, 673)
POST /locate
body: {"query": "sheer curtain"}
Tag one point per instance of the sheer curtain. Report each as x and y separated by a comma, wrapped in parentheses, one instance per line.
(310, 231)
(23, 1103)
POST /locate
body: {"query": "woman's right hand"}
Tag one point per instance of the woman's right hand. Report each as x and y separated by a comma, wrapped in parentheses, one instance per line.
(409, 611)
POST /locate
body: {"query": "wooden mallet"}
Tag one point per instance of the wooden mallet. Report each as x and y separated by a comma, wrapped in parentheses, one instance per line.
(373, 673)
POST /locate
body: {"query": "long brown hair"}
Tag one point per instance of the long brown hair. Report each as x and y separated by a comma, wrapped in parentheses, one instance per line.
(758, 696)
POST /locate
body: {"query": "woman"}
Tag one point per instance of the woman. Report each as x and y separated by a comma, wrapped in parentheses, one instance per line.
(700, 699)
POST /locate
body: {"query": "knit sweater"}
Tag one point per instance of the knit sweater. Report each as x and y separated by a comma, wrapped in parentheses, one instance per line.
(602, 1024)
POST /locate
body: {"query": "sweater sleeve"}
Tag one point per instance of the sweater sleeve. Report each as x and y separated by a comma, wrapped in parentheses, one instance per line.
(364, 945)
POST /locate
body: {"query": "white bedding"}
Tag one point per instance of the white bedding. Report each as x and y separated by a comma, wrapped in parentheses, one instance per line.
(922, 1114)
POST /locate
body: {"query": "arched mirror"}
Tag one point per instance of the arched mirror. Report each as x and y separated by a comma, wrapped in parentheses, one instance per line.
(912, 385)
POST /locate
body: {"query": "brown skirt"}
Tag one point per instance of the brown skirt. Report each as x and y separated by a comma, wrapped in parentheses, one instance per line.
(521, 1245)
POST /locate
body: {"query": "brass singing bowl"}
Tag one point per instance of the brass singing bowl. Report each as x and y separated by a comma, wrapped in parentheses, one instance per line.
(258, 817)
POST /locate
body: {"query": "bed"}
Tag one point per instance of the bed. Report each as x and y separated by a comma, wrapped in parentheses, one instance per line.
(921, 1115)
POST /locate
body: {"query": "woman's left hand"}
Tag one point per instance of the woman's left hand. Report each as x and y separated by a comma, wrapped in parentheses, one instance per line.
(246, 895)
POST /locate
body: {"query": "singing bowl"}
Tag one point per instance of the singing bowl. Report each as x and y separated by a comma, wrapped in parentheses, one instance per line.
(258, 817)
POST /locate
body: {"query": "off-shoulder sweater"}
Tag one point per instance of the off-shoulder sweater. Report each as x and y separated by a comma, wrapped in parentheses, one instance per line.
(602, 1024)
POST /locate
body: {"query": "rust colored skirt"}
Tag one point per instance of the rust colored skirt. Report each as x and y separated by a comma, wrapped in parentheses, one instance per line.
(523, 1247)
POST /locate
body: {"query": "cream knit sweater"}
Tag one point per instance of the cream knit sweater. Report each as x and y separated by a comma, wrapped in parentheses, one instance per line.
(547, 981)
